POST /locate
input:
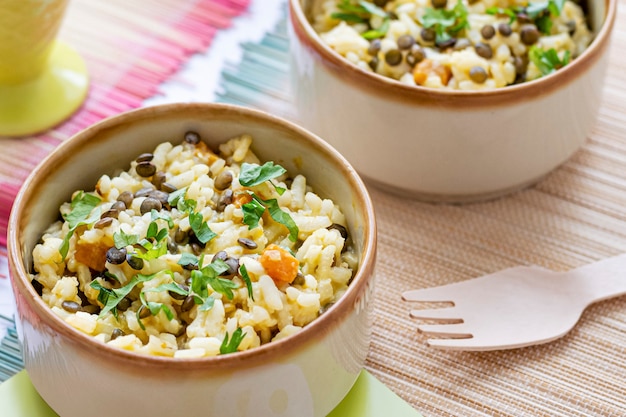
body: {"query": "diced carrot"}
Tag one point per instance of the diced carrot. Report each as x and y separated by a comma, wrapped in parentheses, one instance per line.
(279, 264)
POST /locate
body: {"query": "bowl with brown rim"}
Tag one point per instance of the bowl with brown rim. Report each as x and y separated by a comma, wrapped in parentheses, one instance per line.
(443, 144)
(305, 374)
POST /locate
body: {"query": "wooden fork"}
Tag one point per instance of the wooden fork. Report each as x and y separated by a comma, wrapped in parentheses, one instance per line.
(516, 307)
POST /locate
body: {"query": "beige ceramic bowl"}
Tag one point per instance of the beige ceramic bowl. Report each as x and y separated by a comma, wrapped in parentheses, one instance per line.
(306, 374)
(447, 145)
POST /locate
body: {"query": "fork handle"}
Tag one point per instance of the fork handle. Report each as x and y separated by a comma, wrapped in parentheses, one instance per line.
(602, 279)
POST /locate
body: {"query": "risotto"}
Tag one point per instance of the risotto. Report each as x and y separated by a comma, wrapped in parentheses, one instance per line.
(455, 44)
(192, 253)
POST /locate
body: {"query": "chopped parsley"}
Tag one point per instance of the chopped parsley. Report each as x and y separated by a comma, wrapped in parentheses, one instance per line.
(207, 276)
(110, 298)
(154, 244)
(252, 213)
(361, 13)
(377, 33)
(547, 61)
(201, 228)
(81, 206)
(246, 278)
(357, 13)
(154, 307)
(121, 239)
(446, 22)
(196, 221)
(155, 215)
(188, 259)
(253, 174)
(230, 346)
(502, 11)
(541, 13)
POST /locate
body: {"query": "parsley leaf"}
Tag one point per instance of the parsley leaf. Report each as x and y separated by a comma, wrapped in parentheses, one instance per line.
(176, 196)
(200, 227)
(110, 298)
(246, 279)
(207, 304)
(510, 12)
(209, 276)
(154, 245)
(81, 206)
(373, 9)
(348, 17)
(446, 22)
(377, 33)
(542, 13)
(171, 286)
(252, 213)
(283, 218)
(223, 286)
(154, 308)
(155, 215)
(357, 13)
(151, 250)
(121, 239)
(230, 346)
(188, 259)
(547, 61)
(253, 174)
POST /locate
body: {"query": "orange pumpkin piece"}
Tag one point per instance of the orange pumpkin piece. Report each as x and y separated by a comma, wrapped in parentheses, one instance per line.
(428, 66)
(92, 254)
(279, 264)
(239, 199)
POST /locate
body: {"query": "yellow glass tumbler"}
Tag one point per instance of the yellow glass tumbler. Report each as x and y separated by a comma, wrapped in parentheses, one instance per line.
(42, 81)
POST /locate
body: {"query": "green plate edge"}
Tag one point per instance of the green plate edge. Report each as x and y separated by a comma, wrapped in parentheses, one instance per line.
(368, 398)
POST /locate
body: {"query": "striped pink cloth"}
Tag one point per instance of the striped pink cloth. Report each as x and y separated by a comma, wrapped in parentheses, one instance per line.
(130, 48)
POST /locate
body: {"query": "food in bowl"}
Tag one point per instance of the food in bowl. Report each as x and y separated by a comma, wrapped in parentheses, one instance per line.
(465, 45)
(447, 144)
(191, 253)
(305, 374)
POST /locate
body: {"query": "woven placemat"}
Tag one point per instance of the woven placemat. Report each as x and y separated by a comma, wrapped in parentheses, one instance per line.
(130, 48)
(574, 216)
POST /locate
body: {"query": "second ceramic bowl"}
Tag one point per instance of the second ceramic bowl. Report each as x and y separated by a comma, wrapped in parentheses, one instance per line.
(447, 145)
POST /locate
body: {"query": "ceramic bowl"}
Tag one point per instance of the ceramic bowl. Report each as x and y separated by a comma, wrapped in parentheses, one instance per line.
(306, 374)
(447, 145)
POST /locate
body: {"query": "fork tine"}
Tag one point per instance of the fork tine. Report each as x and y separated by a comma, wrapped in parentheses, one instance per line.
(458, 330)
(433, 294)
(436, 314)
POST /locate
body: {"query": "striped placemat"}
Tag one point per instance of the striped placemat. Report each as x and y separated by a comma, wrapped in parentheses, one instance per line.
(10, 353)
(574, 216)
(130, 47)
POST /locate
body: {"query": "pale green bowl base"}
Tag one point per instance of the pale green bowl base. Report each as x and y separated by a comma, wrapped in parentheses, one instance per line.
(49, 99)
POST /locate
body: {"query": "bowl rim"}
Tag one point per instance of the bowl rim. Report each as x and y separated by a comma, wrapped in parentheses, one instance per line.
(333, 316)
(391, 89)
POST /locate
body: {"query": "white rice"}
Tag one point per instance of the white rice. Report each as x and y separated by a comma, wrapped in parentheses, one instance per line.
(448, 67)
(275, 308)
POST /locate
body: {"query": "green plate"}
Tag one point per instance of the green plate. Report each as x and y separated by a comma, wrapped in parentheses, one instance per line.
(368, 398)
